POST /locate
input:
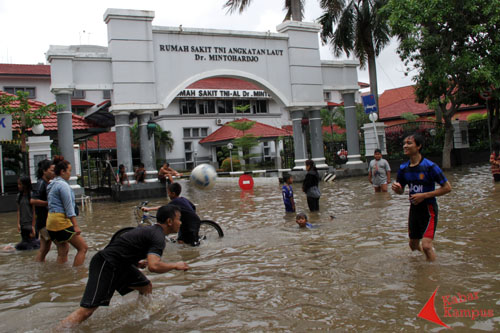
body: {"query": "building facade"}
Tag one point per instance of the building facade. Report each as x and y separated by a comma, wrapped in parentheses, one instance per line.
(152, 74)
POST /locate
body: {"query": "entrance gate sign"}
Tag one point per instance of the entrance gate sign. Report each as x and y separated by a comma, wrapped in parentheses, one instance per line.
(5, 127)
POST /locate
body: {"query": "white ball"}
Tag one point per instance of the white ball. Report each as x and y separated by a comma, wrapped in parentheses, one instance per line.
(203, 176)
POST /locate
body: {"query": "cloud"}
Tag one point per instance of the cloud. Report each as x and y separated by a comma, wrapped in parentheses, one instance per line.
(59, 22)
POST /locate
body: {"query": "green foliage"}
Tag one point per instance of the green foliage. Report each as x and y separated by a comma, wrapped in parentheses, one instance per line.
(241, 125)
(477, 116)
(453, 47)
(293, 8)
(161, 137)
(226, 164)
(242, 108)
(247, 141)
(18, 106)
(409, 116)
(478, 135)
(22, 113)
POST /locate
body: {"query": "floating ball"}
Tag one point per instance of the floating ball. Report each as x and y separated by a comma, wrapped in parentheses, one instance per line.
(203, 176)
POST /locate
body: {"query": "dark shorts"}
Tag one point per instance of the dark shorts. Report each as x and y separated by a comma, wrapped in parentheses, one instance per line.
(62, 236)
(104, 279)
(422, 221)
(496, 177)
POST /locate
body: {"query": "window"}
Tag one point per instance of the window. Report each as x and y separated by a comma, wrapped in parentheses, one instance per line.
(326, 96)
(106, 94)
(187, 146)
(206, 107)
(78, 94)
(243, 106)
(188, 107)
(14, 90)
(195, 132)
(225, 106)
(260, 107)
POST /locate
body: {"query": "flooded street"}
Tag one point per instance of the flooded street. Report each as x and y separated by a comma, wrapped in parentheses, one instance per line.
(354, 273)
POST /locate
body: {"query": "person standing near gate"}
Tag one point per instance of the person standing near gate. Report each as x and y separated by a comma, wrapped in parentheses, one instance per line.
(310, 186)
(420, 175)
(379, 172)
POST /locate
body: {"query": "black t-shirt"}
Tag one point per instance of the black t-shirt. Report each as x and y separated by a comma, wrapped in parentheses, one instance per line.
(135, 245)
(188, 232)
(40, 193)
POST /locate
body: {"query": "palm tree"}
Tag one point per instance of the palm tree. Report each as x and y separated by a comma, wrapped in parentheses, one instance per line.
(360, 28)
(294, 8)
(161, 138)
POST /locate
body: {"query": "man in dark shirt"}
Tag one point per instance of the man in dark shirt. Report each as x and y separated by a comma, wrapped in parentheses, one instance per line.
(420, 175)
(188, 232)
(116, 266)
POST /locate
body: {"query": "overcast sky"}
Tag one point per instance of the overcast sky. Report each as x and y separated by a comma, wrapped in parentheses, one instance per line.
(30, 26)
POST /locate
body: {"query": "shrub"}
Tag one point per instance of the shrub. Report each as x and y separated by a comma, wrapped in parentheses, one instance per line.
(226, 164)
(476, 116)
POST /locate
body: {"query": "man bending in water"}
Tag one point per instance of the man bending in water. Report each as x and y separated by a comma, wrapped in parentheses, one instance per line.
(116, 266)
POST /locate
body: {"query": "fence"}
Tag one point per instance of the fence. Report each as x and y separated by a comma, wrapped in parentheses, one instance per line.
(478, 135)
(432, 132)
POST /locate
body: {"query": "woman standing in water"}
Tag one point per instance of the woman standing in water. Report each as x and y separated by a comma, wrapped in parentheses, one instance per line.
(44, 174)
(61, 221)
(310, 186)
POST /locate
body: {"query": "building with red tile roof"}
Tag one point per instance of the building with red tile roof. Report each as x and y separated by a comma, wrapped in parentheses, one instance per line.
(17, 70)
(102, 141)
(227, 133)
(81, 127)
(394, 102)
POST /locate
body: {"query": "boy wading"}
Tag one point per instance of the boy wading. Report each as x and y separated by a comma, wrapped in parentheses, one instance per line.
(420, 175)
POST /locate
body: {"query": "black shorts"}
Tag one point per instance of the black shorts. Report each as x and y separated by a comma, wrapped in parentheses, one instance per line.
(496, 177)
(104, 279)
(62, 236)
(422, 221)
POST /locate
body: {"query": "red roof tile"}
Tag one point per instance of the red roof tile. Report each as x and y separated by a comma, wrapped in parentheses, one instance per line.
(259, 129)
(223, 83)
(394, 102)
(15, 69)
(50, 122)
(106, 140)
(324, 129)
(334, 104)
(81, 102)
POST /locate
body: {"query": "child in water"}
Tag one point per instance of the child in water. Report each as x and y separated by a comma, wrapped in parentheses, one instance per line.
(301, 220)
(287, 193)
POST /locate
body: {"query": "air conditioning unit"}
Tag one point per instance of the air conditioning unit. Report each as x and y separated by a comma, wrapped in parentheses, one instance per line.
(219, 122)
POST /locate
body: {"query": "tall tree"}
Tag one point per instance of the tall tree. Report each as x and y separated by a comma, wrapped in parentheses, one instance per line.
(454, 48)
(356, 26)
(294, 8)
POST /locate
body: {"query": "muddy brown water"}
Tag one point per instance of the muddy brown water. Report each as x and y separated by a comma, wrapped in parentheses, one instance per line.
(354, 273)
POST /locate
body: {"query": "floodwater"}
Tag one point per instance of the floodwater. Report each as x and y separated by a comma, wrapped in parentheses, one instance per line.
(353, 273)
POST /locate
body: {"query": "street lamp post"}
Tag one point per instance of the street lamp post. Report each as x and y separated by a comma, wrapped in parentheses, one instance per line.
(230, 147)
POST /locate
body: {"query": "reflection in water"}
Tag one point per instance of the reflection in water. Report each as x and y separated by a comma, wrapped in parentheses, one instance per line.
(353, 273)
